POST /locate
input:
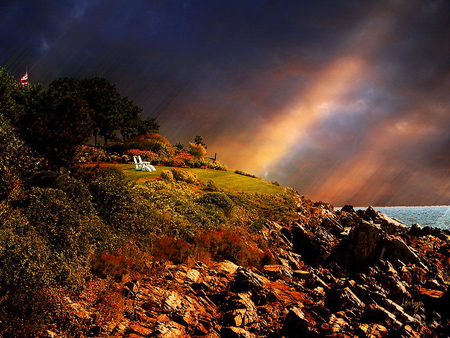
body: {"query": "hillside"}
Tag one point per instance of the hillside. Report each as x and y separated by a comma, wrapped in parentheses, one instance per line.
(92, 247)
(185, 259)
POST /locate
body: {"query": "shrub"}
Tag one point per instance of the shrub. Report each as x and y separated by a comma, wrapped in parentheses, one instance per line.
(197, 150)
(16, 162)
(228, 245)
(171, 249)
(240, 172)
(167, 175)
(218, 199)
(85, 154)
(211, 186)
(185, 176)
(27, 284)
(105, 265)
(153, 142)
(145, 154)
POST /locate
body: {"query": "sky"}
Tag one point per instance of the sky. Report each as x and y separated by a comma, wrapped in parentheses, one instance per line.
(347, 102)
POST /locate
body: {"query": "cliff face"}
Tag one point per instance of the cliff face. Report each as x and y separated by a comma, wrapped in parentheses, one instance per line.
(337, 274)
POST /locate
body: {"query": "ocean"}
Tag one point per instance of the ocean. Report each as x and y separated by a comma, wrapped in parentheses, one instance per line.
(434, 216)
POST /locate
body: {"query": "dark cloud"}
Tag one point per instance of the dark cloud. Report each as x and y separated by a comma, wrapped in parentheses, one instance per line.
(345, 101)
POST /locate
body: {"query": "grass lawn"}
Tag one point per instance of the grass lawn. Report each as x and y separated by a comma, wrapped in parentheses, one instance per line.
(223, 179)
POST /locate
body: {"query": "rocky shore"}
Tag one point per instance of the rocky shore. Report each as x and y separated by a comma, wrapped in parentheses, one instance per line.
(340, 273)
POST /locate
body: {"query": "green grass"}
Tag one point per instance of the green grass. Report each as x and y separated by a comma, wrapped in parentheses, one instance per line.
(223, 179)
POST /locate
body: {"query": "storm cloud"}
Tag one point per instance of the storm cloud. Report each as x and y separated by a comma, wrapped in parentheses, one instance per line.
(345, 101)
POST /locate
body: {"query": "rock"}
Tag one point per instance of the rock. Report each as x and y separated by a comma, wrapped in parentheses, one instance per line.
(247, 280)
(363, 246)
(417, 230)
(396, 248)
(374, 330)
(168, 329)
(347, 208)
(377, 314)
(314, 246)
(236, 332)
(243, 311)
(332, 226)
(227, 267)
(193, 275)
(297, 324)
(340, 298)
(389, 225)
(138, 329)
(302, 274)
(131, 288)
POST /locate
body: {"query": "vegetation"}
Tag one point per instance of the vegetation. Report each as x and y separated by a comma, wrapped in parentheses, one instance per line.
(67, 229)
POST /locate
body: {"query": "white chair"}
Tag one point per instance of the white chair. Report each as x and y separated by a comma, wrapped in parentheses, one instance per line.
(146, 164)
(137, 164)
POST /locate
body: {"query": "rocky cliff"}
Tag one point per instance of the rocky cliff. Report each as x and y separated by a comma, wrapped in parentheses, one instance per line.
(340, 273)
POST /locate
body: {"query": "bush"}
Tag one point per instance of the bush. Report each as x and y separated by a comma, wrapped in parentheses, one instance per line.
(85, 154)
(145, 154)
(228, 245)
(105, 265)
(197, 150)
(171, 249)
(167, 175)
(240, 172)
(218, 199)
(185, 176)
(27, 284)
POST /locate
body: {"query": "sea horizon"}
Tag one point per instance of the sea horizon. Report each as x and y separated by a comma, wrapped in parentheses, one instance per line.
(424, 215)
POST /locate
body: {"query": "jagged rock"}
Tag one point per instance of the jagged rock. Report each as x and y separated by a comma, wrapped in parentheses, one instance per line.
(247, 280)
(337, 325)
(340, 298)
(375, 313)
(168, 329)
(417, 230)
(374, 330)
(388, 224)
(236, 332)
(227, 267)
(347, 208)
(302, 274)
(193, 275)
(297, 324)
(138, 329)
(131, 288)
(120, 328)
(363, 246)
(396, 248)
(332, 226)
(314, 246)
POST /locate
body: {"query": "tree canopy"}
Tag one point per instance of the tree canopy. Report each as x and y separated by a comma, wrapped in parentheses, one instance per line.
(54, 121)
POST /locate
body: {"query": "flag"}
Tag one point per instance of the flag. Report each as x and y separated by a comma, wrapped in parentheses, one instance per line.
(24, 79)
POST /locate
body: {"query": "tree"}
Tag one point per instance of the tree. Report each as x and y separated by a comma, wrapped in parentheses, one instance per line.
(197, 150)
(149, 125)
(198, 140)
(16, 161)
(104, 99)
(130, 118)
(12, 95)
(56, 121)
(179, 147)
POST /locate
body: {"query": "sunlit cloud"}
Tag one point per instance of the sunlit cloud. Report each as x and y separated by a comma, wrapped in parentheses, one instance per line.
(343, 101)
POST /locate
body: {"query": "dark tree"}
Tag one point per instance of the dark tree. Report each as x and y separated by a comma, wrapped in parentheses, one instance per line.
(130, 119)
(149, 125)
(104, 99)
(179, 147)
(56, 121)
(199, 141)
